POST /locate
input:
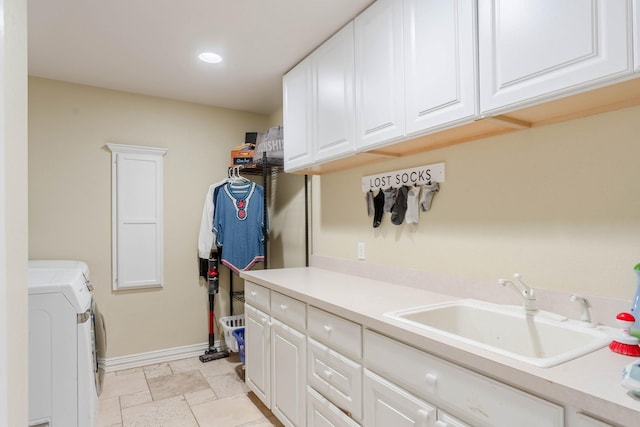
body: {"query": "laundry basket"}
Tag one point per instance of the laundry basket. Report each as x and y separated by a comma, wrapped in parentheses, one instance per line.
(238, 333)
(229, 324)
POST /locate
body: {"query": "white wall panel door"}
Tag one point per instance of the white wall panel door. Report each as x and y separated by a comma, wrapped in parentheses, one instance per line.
(439, 63)
(531, 50)
(379, 74)
(333, 66)
(137, 216)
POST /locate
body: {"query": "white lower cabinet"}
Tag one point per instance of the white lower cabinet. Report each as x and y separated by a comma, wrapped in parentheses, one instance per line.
(288, 369)
(470, 396)
(257, 335)
(276, 353)
(388, 405)
(322, 413)
(336, 377)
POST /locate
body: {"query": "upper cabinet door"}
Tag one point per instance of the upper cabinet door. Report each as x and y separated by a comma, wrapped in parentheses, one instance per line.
(333, 66)
(636, 34)
(440, 63)
(297, 112)
(531, 50)
(379, 74)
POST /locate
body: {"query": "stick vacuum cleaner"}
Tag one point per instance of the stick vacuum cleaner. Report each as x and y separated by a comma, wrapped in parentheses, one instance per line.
(212, 353)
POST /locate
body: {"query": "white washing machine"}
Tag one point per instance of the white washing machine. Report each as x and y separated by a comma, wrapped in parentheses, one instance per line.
(64, 374)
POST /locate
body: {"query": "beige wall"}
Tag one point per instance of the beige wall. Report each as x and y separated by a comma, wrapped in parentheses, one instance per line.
(558, 204)
(13, 215)
(70, 199)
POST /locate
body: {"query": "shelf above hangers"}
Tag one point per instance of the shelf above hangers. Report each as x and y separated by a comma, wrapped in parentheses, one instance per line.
(415, 176)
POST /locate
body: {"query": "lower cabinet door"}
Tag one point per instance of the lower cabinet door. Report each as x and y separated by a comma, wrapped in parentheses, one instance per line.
(446, 420)
(322, 413)
(257, 353)
(288, 374)
(386, 404)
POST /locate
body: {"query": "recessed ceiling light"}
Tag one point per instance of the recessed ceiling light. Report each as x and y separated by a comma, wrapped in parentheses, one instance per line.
(210, 57)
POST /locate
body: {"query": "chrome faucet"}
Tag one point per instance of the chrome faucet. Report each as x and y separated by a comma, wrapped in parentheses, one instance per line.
(526, 294)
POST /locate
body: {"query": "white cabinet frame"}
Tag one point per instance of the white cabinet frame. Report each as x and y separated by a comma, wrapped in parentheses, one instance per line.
(136, 190)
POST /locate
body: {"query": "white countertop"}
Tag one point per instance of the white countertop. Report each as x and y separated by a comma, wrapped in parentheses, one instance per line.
(590, 383)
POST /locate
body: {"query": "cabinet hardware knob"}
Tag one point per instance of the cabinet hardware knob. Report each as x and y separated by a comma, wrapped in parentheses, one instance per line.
(327, 373)
(431, 380)
(253, 293)
(327, 328)
(440, 423)
(424, 415)
(283, 307)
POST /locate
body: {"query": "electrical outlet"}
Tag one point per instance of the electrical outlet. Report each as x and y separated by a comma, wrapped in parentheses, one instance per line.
(360, 250)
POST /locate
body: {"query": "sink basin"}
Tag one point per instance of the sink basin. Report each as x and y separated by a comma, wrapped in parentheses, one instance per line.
(542, 339)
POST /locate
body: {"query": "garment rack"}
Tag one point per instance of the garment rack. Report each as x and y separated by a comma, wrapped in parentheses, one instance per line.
(266, 168)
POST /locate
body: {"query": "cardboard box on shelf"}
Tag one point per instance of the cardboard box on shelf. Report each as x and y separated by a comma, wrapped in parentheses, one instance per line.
(241, 157)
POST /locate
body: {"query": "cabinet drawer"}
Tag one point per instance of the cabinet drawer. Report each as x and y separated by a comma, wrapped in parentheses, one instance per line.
(322, 413)
(336, 377)
(456, 389)
(257, 296)
(289, 311)
(336, 332)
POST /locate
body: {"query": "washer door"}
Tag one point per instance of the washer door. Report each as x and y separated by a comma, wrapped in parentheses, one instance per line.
(99, 344)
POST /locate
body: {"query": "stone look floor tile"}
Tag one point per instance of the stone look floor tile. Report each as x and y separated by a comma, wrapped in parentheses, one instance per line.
(227, 385)
(182, 393)
(176, 384)
(201, 396)
(157, 370)
(109, 412)
(228, 412)
(174, 412)
(135, 399)
(119, 385)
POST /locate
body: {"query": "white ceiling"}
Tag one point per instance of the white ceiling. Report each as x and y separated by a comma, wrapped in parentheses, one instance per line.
(150, 46)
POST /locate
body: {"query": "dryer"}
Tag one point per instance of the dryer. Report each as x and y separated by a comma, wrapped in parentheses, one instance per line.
(63, 368)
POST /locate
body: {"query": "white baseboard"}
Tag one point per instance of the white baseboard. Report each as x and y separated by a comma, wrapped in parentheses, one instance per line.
(112, 364)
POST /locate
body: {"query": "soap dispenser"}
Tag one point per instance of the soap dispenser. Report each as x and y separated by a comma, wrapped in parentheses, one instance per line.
(635, 304)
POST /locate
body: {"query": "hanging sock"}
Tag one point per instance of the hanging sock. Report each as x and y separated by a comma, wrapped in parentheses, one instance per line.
(400, 206)
(378, 203)
(428, 191)
(412, 214)
(389, 198)
(368, 197)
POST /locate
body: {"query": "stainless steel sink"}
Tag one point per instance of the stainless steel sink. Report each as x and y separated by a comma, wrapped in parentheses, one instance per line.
(542, 339)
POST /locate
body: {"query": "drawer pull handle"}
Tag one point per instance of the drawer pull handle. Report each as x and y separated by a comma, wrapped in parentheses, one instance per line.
(327, 329)
(431, 379)
(253, 293)
(440, 423)
(283, 307)
(263, 319)
(327, 373)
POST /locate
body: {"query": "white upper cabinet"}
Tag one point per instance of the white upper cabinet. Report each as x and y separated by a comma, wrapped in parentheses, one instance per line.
(531, 50)
(379, 74)
(440, 63)
(636, 34)
(297, 111)
(333, 66)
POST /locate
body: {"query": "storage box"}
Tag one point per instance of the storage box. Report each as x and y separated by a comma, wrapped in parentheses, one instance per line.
(270, 145)
(241, 157)
(229, 324)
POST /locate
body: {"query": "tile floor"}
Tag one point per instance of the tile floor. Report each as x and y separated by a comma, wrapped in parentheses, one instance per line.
(182, 393)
